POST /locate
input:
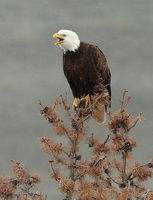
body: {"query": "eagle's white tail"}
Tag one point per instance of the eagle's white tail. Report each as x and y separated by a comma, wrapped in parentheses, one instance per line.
(99, 113)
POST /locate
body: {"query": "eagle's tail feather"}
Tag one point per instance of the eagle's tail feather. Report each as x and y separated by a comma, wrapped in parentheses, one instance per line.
(99, 112)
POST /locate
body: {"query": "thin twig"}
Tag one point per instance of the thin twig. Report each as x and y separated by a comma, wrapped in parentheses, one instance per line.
(55, 174)
(124, 176)
(131, 178)
(65, 106)
(136, 121)
(105, 142)
(112, 179)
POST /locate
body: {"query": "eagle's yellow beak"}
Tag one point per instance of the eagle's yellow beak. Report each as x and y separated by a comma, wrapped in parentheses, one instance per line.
(59, 37)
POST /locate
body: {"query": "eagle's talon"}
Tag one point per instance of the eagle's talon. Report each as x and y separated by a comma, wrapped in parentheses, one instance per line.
(75, 108)
(75, 104)
(87, 100)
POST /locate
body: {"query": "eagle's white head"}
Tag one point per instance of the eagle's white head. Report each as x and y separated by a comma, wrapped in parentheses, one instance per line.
(67, 40)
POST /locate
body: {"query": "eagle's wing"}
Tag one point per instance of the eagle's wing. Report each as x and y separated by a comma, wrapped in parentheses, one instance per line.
(104, 71)
(103, 74)
(70, 81)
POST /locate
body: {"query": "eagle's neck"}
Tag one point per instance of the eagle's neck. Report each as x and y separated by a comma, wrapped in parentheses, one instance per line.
(75, 53)
(72, 46)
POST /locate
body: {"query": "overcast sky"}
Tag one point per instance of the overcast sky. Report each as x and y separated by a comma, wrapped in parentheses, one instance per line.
(31, 70)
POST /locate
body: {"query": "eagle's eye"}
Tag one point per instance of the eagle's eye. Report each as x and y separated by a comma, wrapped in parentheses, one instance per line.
(64, 35)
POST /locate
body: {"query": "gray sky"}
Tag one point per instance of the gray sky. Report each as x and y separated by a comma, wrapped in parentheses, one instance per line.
(30, 70)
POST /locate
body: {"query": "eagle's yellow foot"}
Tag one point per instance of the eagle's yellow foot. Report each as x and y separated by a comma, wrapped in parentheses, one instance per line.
(75, 104)
(87, 100)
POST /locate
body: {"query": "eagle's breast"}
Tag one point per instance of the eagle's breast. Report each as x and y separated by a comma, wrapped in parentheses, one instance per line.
(84, 69)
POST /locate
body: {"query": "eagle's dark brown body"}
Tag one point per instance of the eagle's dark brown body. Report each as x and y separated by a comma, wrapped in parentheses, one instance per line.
(85, 68)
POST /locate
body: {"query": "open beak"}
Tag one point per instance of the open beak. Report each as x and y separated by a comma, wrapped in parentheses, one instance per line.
(59, 37)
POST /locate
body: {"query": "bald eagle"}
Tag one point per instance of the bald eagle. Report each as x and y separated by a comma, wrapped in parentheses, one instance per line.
(85, 67)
